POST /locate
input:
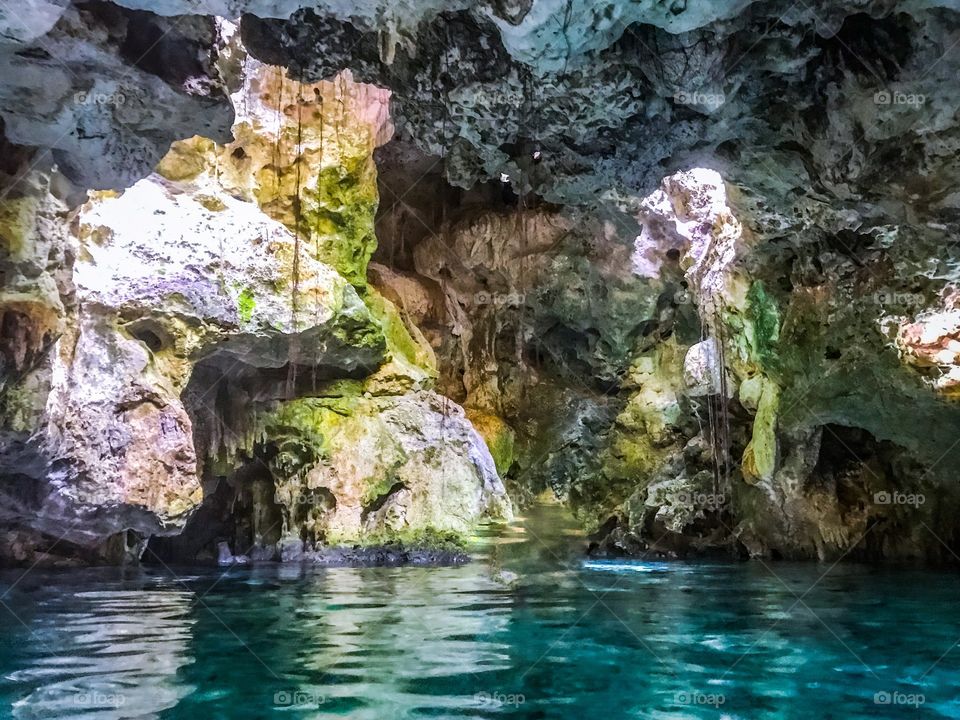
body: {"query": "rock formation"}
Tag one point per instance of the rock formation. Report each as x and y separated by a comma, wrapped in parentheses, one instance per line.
(689, 265)
(157, 342)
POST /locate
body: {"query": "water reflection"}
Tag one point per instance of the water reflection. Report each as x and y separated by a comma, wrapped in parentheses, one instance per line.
(530, 631)
(97, 653)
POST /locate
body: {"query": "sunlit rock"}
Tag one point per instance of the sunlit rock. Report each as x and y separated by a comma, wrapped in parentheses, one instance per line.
(931, 344)
(658, 251)
(162, 281)
(367, 468)
(701, 369)
(304, 153)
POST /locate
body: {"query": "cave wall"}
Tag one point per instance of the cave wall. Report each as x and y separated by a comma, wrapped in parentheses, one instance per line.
(158, 343)
(671, 258)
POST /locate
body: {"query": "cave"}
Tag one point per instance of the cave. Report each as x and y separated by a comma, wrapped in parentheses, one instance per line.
(398, 358)
(239, 510)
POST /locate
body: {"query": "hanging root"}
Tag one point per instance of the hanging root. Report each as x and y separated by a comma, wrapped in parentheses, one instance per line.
(717, 404)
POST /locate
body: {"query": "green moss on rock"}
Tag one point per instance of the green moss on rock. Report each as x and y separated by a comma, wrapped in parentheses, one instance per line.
(245, 305)
(760, 456)
(427, 538)
(338, 217)
(400, 340)
(498, 435)
(764, 330)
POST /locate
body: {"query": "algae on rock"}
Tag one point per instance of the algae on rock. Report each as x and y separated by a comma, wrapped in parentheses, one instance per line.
(353, 468)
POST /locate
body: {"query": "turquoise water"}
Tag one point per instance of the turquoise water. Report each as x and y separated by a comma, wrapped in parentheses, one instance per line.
(565, 638)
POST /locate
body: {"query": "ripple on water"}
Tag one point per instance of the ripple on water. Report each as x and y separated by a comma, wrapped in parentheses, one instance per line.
(104, 654)
(602, 639)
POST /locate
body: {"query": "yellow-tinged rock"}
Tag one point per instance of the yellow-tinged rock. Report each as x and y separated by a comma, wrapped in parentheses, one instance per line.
(760, 457)
(498, 435)
(748, 465)
(750, 392)
(304, 153)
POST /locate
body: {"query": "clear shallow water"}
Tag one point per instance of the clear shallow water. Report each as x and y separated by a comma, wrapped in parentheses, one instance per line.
(567, 638)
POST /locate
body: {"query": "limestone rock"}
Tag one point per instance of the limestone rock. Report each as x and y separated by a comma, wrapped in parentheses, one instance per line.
(931, 343)
(617, 184)
(760, 456)
(499, 437)
(701, 369)
(164, 282)
(69, 88)
(381, 467)
(304, 153)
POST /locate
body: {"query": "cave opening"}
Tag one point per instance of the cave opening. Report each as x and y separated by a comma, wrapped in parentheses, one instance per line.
(239, 509)
(151, 333)
(852, 460)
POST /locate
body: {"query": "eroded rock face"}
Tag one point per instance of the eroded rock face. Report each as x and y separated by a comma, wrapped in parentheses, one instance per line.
(689, 264)
(930, 342)
(148, 335)
(162, 282)
(303, 152)
(106, 91)
(380, 467)
(752, 410)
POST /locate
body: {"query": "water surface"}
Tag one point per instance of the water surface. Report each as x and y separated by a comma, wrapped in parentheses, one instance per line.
(530, 630)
